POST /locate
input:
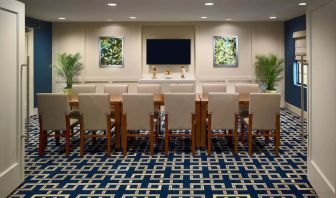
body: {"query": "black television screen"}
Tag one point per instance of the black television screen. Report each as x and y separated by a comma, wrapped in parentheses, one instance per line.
(168, 51)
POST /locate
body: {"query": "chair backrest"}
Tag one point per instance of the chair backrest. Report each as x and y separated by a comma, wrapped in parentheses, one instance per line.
(206, 88)
(264, 107)
(138, 107)
(182, 88)
(94, 107)
(78, 89)
(247, 88)
(52, 108)
(115, 89)
(179, 107)
(223, 107)
(149, 88)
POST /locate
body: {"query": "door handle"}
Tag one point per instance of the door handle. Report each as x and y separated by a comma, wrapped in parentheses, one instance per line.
(27, 135)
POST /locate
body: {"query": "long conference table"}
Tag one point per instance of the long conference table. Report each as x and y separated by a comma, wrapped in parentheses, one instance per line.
(201, 111)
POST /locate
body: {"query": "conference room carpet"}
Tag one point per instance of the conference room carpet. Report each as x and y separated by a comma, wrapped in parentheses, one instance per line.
(179, 175)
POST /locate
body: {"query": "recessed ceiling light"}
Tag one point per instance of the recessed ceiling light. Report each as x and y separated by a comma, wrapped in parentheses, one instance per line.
(209, 4)
(273, 17)
(302, 4)
(228, 19)
(61, 18)
(112, 4)
(204, 17)
(132, 17)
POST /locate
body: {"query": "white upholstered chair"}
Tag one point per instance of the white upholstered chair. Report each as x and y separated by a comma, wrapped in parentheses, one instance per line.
(179, 115)
(182, 88)
(264, 118)
(138, 114)
(206, 88)
(78, 89)
(223, 111)
(53, 110)
(115, 89)
(155, 89)
(247, 88)
(149, 88)
(95, 115)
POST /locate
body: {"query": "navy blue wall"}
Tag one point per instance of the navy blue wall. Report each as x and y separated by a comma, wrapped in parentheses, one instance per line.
(42, 56)
(292, 91)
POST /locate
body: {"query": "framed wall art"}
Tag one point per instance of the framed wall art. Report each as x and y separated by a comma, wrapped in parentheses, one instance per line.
(111, 51)
(225, 51)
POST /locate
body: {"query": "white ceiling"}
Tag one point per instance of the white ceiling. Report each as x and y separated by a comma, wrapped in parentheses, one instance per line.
(163, 10)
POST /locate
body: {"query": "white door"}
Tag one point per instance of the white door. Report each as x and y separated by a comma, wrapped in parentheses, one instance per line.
(12, 43)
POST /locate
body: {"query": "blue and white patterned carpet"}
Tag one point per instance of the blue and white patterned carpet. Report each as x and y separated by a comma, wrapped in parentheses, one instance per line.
(179, 175)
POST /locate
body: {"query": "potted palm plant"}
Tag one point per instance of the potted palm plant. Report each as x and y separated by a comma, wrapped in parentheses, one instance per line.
(268, 70)
(68, 67)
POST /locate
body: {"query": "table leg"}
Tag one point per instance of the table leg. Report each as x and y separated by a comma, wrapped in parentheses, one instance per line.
(203, 131)
(199, 139)
(117, 114)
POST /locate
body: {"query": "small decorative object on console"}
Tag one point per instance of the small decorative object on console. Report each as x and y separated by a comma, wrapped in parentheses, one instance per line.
(167, 74)
(154, 72)
(182, 72)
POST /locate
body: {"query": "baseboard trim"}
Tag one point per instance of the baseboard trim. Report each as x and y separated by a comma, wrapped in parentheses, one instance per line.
(295, 110)
(319, 181)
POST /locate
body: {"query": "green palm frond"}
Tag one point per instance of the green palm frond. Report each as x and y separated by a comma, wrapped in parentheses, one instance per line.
(68, 67)
(268, 70)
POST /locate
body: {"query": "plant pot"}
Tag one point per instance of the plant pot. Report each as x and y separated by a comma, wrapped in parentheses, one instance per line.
(67, 91)
(270, 91)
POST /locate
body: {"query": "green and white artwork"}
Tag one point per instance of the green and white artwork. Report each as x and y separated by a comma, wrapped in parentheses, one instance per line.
(225, 51)
(111, 51)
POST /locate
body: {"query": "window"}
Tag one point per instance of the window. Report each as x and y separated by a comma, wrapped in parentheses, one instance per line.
(297, 74)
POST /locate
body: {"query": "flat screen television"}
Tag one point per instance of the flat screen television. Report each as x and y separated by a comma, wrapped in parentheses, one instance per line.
(168, 51)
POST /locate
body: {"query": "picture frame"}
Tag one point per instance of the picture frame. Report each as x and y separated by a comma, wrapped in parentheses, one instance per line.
(225, 51)
(111, 51)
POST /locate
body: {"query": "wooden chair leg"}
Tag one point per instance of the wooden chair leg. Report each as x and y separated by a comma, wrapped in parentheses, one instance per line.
(166, 135)
(94, 139)
(193, 134)
(67, 142)
(250, 136)
(151, 135)
(57, 138)
(124, 134)
(267, 132)
(67, 135)
(209, 143)
(157, 130)
(242, 132)
(236, 135)
(82, 138)
(209, 134)
(108, 134)
(41, 143)
(277, 135)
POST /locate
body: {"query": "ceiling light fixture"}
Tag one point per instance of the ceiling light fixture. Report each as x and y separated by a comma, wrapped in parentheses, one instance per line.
(273, 17)
(204, 17)
(228, 19)
(61, 18)
(132, 17)
(112, 4)
(209, 4)
(302, 4)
